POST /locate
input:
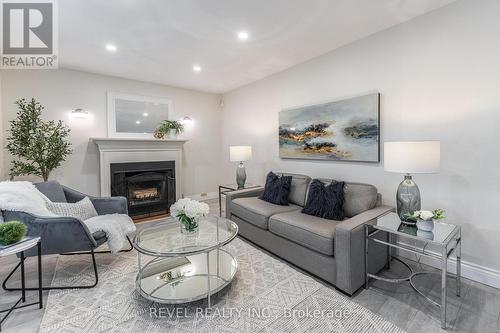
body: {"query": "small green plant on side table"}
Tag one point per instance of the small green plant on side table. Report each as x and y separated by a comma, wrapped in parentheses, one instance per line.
(11, 232)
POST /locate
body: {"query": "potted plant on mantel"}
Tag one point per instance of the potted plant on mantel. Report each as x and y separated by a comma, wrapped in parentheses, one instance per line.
(169, 128)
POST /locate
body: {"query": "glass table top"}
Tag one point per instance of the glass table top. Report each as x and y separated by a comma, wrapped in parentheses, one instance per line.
(235, 186)
(23, 245)
(441, 234)
(166, 239)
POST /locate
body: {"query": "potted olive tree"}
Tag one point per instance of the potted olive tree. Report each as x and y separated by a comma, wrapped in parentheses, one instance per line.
(38, 146)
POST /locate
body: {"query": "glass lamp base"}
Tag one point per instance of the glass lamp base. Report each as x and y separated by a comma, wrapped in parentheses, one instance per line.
(407, 198)
(241, 175)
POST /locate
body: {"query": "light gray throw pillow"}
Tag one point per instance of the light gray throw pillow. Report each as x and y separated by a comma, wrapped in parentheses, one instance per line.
(82, 210)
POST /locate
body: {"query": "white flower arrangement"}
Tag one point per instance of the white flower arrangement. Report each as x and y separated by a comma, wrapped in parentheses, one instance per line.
(427, 215)
(188, 212)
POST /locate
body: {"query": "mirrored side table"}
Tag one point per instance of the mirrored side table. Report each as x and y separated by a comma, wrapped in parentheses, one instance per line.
(19, 248)
(446, 237)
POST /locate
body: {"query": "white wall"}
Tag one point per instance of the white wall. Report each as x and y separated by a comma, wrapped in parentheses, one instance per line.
(61, 91)
(439, 78)
(2, 133)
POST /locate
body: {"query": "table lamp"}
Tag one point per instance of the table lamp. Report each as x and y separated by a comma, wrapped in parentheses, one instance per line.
(240, 154)
(411, 157)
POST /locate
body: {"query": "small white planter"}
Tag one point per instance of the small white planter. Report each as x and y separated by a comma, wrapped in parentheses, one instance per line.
(425, 225)
(425, 234)
(172, 135)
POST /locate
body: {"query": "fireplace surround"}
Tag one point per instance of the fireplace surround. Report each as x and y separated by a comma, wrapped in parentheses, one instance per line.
(148, 186)
(128, 150)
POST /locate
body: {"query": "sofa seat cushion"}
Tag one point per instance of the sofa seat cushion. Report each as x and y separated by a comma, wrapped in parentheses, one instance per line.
(257, 211)
(312, 232)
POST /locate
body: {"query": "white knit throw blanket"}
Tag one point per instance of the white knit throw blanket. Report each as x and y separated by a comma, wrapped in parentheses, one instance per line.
(116, 227)
(24, 197)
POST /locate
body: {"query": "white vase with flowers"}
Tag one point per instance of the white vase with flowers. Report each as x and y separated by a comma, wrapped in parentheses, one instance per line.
(189, 213)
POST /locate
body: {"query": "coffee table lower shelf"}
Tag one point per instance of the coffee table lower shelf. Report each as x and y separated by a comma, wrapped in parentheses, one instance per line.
(177, 280)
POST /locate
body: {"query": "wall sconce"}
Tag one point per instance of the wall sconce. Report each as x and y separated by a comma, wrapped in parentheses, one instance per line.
(80, 113)
(186, 120)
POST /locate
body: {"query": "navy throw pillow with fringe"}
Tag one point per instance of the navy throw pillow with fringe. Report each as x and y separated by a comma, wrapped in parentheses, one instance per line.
(325, 201)
(277, 189)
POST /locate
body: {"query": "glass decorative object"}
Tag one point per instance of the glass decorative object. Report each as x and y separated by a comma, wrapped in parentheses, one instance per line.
(189, 226)
(241, 175)
(240, 154)
(407, 198)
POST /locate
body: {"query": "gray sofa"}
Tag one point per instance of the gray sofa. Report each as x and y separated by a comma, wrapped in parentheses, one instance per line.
(331, 250)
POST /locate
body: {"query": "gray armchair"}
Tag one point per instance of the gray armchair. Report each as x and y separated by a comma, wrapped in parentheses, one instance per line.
(66, 235)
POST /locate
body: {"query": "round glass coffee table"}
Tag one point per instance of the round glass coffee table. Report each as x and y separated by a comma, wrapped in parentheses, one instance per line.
(180, 268)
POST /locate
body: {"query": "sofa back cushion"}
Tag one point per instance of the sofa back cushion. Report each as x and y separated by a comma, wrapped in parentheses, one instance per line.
(52, 190)
(298, 190)
(358, 197)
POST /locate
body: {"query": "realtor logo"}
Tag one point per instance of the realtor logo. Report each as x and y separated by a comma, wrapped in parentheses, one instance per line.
(29, 34)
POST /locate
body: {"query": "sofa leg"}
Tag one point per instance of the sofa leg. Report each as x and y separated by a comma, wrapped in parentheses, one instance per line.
(96, 276)
(345, 293)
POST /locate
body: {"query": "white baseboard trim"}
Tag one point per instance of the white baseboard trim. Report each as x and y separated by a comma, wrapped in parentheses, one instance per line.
(206, 196)
(470, 270)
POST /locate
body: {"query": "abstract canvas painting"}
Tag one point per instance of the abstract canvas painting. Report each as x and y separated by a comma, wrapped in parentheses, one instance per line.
(345, 130)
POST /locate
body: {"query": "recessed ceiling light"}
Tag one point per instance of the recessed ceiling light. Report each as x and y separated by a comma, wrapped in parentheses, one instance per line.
(111, 47)
(242, 35)
(197, 68)
(145, 114)
(138, 122)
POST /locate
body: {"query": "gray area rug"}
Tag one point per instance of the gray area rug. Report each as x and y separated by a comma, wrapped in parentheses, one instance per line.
(266, 295)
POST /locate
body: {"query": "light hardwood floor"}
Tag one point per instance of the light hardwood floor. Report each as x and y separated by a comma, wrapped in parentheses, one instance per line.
(478, 310)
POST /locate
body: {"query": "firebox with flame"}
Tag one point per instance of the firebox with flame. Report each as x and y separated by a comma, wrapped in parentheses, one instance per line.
(145, 194)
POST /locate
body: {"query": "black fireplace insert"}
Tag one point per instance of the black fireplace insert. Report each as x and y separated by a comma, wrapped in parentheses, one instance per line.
(148, 186)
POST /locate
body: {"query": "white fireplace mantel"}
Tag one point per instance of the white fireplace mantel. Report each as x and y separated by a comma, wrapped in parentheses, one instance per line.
(123, 150)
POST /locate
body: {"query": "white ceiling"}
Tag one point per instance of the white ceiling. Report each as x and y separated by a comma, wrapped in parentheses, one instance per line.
(160, 40)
